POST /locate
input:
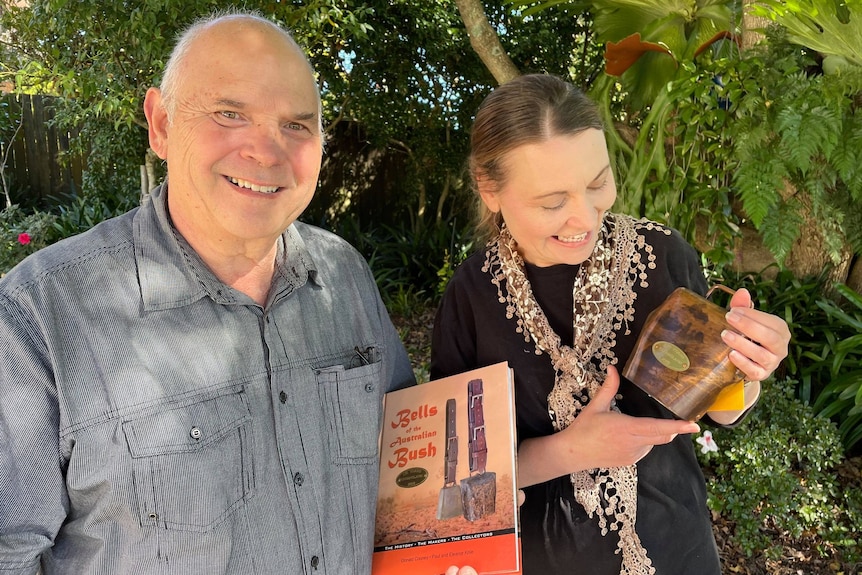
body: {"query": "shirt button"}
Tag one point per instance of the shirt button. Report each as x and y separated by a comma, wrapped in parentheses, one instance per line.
(282, 397)
(298, 479)
(369, 387)
(195, 433)
(315, 561)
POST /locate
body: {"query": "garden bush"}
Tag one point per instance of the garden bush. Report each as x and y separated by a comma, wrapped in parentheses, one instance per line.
(23, 233)
(774, 474)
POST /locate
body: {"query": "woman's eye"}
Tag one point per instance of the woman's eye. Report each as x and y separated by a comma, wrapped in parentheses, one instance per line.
(554, 207)
(600, 182)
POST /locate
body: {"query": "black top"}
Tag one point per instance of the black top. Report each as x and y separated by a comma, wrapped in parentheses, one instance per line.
(673, 522)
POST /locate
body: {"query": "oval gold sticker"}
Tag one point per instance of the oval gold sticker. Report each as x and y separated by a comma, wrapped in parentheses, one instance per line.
(670, 356)
(411, 477)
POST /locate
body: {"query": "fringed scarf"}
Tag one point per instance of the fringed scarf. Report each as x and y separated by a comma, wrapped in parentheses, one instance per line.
(603, 304)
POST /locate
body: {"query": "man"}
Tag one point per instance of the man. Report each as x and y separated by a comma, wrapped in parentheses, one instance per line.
(195, 386)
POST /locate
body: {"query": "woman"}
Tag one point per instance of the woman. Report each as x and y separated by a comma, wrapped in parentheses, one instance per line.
(561, 291)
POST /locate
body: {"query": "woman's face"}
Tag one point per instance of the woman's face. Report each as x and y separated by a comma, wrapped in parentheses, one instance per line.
(554, 197)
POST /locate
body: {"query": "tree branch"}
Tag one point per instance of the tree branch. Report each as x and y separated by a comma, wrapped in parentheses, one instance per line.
(485, 42)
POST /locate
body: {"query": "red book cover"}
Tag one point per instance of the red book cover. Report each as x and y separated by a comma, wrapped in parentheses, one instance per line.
(447, 492)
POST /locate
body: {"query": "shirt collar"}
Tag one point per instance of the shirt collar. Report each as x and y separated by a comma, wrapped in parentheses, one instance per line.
(172, 275)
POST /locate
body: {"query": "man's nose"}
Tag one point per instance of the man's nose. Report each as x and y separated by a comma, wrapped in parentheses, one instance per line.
(265, 144)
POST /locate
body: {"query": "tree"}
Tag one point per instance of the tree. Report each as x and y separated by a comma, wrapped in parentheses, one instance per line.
(485, 41)
(398, 79)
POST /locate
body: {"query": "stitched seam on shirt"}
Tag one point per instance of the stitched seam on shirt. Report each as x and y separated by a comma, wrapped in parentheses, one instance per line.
(68, 264)
(139, 409)
(23, 320)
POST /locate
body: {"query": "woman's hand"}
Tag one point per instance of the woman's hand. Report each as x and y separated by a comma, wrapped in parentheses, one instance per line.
(462, 571)
(763, 342)
(756, 353)
(598, 437)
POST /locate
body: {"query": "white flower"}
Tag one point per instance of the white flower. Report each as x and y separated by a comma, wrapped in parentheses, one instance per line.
(707, 443)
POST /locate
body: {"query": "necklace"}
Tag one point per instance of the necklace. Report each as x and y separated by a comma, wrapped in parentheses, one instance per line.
(604, 298)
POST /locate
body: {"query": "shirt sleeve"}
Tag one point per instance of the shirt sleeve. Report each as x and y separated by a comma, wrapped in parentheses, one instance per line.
(33, 498)
(400, 369)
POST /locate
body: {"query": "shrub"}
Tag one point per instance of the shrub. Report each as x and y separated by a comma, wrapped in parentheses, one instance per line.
(21, 234)
(774, 473)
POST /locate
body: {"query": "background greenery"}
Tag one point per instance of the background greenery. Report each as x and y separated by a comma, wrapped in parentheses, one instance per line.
(738, 125)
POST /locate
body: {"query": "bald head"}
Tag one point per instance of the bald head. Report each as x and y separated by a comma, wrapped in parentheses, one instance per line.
(219, 27)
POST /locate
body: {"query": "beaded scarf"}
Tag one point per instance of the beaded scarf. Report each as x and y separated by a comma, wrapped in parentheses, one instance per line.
(604, 299)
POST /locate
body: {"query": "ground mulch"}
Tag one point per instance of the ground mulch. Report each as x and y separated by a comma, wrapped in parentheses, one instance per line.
(806, 555)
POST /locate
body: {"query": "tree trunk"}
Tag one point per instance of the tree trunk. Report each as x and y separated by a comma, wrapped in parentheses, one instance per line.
(485, 41)
(854, 278)
(751, 26)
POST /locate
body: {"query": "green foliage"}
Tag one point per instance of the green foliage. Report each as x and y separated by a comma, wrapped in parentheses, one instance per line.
(689, 32)
(832, 27)
(697, 196)
(21, 234)
(797, 131)
(825, 352)
(775, 473)
(842, 397)
(681, 26)
(408, 265)
(113, 155)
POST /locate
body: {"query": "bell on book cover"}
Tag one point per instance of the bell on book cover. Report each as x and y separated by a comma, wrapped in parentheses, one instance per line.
(449, 501)
(479, 491)
(679, 358)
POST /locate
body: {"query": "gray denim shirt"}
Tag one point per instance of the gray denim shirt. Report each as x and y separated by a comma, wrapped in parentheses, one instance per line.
(154, 420)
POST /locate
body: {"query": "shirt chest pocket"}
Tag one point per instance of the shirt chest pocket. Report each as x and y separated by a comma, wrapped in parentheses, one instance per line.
(192, 464)
(352, 404)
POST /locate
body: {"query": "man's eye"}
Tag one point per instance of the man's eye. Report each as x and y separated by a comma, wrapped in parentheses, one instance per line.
(227, 114)
(295, 126)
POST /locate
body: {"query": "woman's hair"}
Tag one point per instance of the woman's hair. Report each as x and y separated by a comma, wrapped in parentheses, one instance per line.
(529, 109)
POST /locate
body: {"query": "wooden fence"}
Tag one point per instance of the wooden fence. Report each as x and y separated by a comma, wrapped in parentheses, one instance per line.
(32, 169)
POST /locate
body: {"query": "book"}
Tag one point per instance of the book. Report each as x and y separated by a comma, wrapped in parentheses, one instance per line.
(448, 484)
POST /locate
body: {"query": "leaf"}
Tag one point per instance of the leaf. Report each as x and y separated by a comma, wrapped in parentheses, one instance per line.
(816, 24)
(619, 56)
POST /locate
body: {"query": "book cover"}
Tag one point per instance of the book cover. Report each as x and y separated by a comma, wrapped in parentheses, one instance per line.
(447, 493)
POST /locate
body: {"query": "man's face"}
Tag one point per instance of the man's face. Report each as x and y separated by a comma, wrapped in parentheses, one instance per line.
(243, 147)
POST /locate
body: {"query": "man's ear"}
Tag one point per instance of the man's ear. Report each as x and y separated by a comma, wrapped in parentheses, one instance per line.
(488, 192)
(157, 122)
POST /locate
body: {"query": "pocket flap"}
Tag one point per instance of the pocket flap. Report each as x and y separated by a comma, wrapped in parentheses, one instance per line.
(186, 428)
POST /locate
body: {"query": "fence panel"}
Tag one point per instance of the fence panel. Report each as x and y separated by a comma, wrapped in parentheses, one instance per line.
(32, 166)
